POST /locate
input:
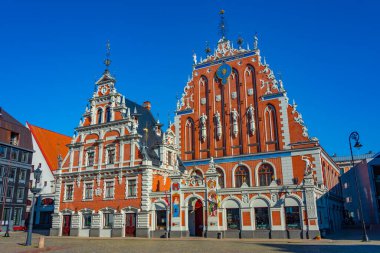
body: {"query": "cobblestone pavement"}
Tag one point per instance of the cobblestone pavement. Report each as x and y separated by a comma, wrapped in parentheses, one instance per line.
(137, 245)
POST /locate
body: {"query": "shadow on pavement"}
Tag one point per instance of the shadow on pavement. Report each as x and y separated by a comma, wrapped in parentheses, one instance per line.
(321, 248)
(354, 234)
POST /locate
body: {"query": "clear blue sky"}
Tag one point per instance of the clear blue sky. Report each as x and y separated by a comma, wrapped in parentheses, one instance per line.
(327, 51)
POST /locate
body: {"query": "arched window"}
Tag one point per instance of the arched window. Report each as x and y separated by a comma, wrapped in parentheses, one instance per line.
(271, 135)
(241, 176)
(189, 137)
(108, 114)
(265, 174)
(100, 115)
(220, 177)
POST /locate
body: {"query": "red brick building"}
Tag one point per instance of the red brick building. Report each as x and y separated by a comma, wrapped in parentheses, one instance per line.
(237, 162)
(269, 177)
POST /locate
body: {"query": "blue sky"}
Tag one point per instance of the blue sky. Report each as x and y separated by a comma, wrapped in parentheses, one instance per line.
(327, 52)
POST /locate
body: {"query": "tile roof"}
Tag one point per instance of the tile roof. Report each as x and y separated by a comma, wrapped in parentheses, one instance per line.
(51, 144)
(356, 157)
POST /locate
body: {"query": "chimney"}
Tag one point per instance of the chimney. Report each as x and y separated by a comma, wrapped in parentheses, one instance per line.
(147, 105)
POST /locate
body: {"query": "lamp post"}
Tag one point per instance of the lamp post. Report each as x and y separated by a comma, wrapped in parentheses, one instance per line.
(355, 137)
(35, 190)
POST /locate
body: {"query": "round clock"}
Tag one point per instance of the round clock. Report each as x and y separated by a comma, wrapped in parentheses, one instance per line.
(103, 90)
(223, 72)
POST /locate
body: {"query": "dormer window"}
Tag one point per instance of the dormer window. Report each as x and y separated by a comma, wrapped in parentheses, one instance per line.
(14, 138)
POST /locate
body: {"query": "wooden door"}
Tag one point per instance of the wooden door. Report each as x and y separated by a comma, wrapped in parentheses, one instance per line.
(130, 224)
(66, 225)
(198, 218)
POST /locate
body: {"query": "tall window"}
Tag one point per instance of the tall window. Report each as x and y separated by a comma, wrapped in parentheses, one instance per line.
(17, 217)
(265, 174)
(24, 157)
(108, 114)
(88, 190)
(87, 220)
(189, 136)
(220, 177)
(100, 116)
(270, 125)
(132, 189)
(22, 175)
(109, 191)
(262, 217)
(233, 218)
(90, 157)
(11, 173)
(241, 176)
(20, 193)
(108, 220)
(14, 154)
(160, 219)
(69, 192)
(293, 218)
(10, 192)
(3, 151)
(111, 155)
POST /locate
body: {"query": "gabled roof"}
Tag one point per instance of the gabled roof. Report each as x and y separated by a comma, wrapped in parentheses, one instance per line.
(51, 144)
(106, 77)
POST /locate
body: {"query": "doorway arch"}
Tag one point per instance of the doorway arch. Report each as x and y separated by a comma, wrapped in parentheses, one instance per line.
(195, 217)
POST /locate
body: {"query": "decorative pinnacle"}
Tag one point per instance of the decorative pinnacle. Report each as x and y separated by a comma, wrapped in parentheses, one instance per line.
(222, 25)
(107, 61)
(240, 41)
(207, 49)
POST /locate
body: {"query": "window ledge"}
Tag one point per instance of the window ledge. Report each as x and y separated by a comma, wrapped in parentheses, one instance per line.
(131, 197)
(109, 198)
(87, 200)
(68, 201)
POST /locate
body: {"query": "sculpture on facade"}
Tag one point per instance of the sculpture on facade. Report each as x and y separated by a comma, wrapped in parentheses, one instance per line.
(218, 125)
(251, 118)
(203, 120)
(235, 128)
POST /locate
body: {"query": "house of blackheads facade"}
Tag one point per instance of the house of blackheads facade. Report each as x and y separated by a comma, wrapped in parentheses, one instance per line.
(237, 161)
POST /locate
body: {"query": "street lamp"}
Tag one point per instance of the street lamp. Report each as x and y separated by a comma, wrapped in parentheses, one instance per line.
(35, 190)
(355, 137)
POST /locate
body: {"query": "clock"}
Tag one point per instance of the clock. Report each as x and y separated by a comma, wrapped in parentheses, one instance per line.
(223, 72)
(104, 90)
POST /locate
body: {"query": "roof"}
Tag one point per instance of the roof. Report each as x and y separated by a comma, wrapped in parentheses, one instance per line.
(146, 120)
(356, 157)
(11, 124)
(51, 144)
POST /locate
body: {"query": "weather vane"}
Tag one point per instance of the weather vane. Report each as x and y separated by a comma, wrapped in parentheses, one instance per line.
(107, 61)
(222, 25)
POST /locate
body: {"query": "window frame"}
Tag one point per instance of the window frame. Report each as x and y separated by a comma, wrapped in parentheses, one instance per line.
(236, 222)
(296, 226)
(107, 221)
(85, 190)
(84, 215)
(236, 176)
(265, 174)
(16, 151)
(22, 191)
(88, 152)
(66, 192)
(127, 195)
(105, 189)
(3, 154)
(264, 226)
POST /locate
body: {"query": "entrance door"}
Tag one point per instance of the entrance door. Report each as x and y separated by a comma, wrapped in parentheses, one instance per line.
(130, 224)
(198, 218)
(66, 225)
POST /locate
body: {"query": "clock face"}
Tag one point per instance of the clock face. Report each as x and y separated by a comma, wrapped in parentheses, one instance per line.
(103, 90)
(223, 72)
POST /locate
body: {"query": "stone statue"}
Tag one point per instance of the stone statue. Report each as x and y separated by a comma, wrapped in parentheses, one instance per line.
(194, 58)
(218, 125)
(255, 42)
(203, 119)
(235, 115)
(308, 166)
(251, 118)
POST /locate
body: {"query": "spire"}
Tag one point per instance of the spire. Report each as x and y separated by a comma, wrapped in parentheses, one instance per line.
(107, 61)
(222, 25)
(255, 42)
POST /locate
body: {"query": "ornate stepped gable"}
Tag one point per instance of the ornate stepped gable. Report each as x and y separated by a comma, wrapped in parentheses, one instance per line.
(246, 111)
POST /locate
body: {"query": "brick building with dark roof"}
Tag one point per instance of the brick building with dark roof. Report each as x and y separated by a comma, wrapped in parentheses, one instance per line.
(16, 151)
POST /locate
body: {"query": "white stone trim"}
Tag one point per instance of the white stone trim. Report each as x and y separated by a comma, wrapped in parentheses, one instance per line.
(249, 170)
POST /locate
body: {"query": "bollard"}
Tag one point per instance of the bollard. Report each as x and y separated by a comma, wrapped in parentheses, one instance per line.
(41, 242)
